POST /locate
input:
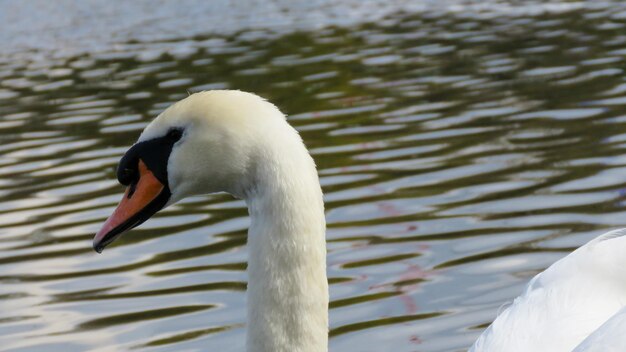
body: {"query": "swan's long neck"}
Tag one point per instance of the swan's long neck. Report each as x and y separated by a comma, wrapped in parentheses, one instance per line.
(287, 285)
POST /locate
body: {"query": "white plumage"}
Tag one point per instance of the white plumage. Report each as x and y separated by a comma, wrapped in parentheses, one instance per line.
(581, 296)
(610, 337)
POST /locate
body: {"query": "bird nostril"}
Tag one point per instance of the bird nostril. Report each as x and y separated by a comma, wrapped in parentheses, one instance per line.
(131, 189)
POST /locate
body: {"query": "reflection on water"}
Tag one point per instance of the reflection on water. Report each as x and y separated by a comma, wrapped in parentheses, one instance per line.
(459, 155)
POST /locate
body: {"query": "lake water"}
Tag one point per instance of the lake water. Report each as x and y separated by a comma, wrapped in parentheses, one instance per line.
(462, 147)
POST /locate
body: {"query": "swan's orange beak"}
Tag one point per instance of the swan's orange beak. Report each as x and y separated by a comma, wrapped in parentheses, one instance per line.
(141, 200)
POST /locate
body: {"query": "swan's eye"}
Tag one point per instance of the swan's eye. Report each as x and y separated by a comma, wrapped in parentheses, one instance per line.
(174, 134)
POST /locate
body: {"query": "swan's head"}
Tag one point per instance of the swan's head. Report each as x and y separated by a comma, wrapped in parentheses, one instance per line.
(205, 143)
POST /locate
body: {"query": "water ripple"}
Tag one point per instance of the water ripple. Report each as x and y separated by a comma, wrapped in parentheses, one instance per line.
(462, 148)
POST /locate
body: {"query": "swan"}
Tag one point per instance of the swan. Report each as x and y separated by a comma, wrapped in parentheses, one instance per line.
(236, 142)
(578, 304)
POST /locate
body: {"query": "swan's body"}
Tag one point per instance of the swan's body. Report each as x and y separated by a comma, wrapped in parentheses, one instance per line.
(609, 337)
(238, 143)
(577, 304)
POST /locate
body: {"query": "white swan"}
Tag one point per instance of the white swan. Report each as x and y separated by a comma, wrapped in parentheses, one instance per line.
(577, 304)
(238, 143)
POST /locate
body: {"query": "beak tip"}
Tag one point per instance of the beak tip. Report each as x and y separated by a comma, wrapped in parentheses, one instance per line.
(98, 247)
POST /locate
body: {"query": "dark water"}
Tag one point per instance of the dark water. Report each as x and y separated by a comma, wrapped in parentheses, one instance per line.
(459, 154)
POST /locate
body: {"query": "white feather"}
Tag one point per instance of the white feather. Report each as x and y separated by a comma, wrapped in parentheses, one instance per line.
(566, 303)
(610, 337)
